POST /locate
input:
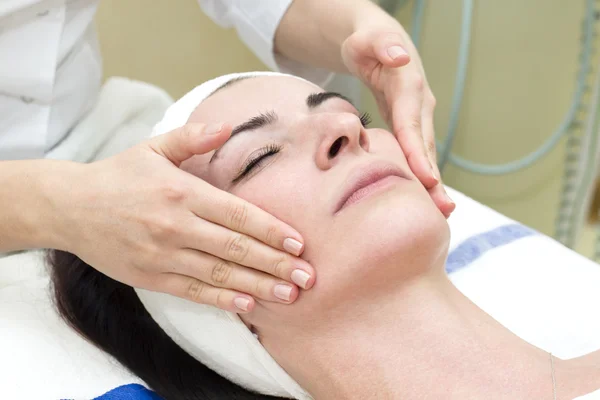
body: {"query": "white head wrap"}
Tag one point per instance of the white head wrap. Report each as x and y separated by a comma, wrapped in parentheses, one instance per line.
(217, 338)
(178, 114)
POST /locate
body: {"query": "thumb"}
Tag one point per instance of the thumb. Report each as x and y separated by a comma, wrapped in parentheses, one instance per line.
(189, 140)
(390, 51)
(366, 47)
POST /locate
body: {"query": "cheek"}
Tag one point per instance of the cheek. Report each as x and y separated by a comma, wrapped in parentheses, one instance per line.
(383, 143)
(370, 252)
(285, 190)
(398, 222)
(386, 240)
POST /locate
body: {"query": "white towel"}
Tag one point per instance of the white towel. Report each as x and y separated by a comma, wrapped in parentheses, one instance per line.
(178, 114)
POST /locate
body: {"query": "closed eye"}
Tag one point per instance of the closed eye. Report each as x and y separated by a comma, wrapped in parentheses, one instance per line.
(256, 159)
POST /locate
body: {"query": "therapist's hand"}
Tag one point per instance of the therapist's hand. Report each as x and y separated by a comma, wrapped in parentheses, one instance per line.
(388, 63)
(141, 220)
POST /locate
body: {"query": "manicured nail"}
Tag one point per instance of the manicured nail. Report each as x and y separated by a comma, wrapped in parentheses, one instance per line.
(396, 51)
(213, 129)
(283, 292)
(300, 278)
(292, 246)
(242, 303)
(433, 172)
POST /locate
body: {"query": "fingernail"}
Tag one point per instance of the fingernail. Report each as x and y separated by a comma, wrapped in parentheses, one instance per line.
(396, 51)
(300, 278)
(449, 212)
(242, 303)
(213, 129)
(283, 292)
(449, 199)
(433, 173)
(292, 246)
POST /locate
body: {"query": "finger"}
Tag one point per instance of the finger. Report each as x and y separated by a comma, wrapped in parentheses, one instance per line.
(438, 192)
(189, 140)
(384, 110)
(429, 133)
(442, 200)
(406, 117)
(238, 215)
(389, 50)
(228, 275)
(199, 292)
(244, 250)
(386, 48)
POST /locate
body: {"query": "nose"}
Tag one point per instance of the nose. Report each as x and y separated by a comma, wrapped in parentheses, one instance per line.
(341, 134)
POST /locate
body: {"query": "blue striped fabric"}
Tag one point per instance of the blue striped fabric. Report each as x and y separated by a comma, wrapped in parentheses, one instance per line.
(130, 392)
(464, 254)
(476, 246)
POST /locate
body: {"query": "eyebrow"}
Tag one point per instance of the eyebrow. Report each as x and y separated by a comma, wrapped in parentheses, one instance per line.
(316, 99)
(269, 118)
(255, 123)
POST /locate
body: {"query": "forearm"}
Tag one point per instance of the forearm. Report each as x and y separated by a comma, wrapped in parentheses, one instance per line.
(28, 217)
(312, 31)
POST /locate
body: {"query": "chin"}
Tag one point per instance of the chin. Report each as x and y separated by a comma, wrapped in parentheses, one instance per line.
(395, 236)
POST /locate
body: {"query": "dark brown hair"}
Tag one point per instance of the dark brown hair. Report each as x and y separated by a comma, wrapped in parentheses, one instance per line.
(110, 315)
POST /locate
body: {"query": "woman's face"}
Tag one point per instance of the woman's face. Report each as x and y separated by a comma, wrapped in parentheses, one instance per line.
(301, 159)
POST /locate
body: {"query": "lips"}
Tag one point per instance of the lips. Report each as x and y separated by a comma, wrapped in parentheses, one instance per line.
(367, 179)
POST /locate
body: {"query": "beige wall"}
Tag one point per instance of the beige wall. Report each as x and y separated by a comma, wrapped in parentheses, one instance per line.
(521, 77)
(170, 43)
(520, 80)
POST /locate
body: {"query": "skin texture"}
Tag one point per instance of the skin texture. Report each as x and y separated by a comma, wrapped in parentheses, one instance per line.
(303, 172)
(382, 318)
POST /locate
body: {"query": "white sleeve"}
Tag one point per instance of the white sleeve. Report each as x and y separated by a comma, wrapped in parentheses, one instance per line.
(256, 22)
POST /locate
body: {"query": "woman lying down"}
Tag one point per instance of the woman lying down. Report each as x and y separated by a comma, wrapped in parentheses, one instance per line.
(383, 321)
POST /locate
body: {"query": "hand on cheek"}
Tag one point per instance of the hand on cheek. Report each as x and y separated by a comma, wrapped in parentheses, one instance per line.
(385, 143)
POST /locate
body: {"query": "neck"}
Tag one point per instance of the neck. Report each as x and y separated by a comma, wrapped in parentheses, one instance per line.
(424, 340)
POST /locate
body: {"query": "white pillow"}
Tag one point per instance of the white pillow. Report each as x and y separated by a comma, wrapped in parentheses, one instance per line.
(542, 291)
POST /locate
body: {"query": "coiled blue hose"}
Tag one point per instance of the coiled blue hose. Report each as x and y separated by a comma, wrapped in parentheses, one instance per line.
(581, 160)
(417, 26)
(445, 148)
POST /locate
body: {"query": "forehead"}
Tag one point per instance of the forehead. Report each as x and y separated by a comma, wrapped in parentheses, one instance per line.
(245, 99)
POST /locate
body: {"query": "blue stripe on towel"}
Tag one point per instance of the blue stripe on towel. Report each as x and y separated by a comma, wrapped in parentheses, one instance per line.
(475, 246)
(130, 392)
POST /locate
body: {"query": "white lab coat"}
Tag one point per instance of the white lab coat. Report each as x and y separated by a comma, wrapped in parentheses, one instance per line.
(51, 69)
